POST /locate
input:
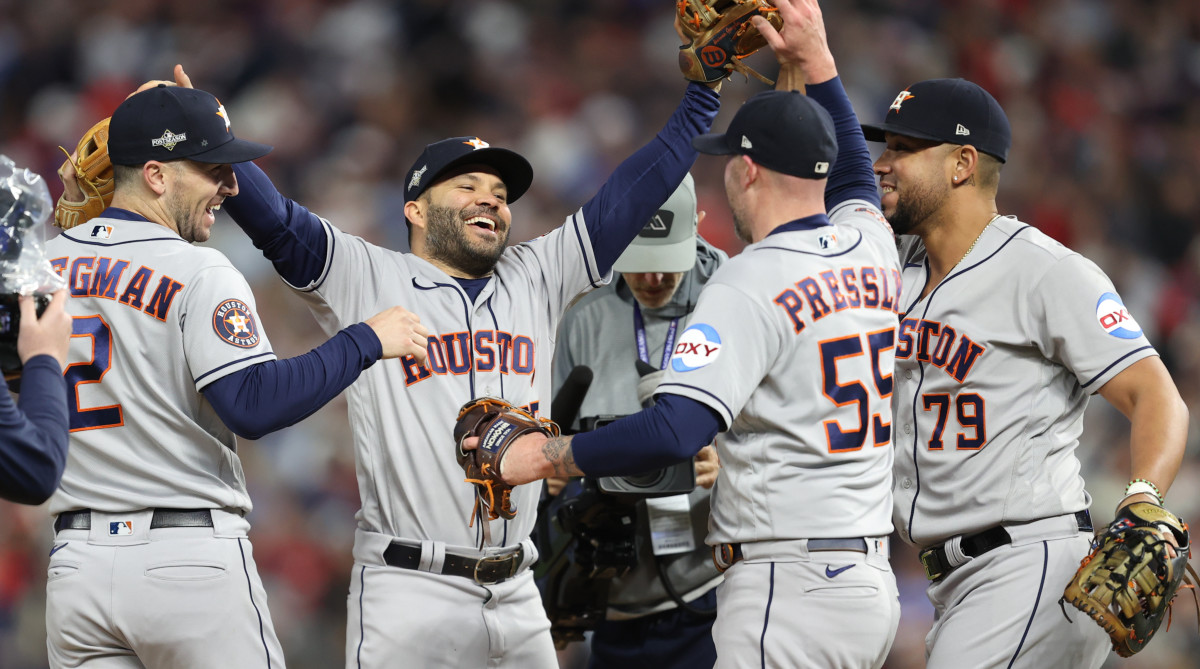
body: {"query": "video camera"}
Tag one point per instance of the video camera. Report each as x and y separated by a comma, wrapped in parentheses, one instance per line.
(587, 534)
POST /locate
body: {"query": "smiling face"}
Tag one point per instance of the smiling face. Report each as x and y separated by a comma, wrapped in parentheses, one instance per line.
(466, 220)
(912, 175)
(195, 193)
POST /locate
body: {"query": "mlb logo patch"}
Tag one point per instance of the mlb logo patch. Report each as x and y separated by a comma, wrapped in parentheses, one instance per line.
(827, 241)
(120, 528)
(101, 231)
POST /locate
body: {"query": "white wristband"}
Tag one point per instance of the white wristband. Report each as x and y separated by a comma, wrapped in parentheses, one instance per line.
(1140, 488)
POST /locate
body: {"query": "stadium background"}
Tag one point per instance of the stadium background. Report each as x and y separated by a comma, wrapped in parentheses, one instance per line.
(1103, 99)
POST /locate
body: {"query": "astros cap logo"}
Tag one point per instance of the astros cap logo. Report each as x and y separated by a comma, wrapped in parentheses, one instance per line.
(904, 95)
(477, 143)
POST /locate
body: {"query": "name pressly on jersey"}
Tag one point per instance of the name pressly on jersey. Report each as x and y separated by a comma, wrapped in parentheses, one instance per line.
(917, 338)
(847, 288)
(458, 353)
(95, 276)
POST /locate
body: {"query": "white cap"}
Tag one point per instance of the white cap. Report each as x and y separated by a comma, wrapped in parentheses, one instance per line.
(668, 242)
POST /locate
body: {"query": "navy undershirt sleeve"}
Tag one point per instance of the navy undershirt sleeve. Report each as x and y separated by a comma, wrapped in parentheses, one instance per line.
(644, 181)
(33, 437)
(852, 177)
(671, 431)
(290, 236)
(272, 395)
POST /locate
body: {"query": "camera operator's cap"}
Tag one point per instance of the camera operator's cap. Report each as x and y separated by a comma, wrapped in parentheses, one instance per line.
(784, 131)
(951, 111)
(171, 122)
(667, 243)
(440, 157)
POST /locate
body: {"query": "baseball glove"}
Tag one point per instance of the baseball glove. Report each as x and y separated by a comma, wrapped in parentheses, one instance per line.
(497, 424)
(721, 36)
(94, 173)
(1128, 580)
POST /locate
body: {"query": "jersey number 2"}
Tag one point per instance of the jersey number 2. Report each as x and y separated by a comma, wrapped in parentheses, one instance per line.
(844, 393)
(93, 371)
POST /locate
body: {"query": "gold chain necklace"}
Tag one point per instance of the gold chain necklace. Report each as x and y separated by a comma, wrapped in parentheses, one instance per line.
(977, 238)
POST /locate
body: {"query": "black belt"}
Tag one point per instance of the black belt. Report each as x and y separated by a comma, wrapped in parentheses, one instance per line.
(937, 564)
(725, 555)
(82, 520)
(488, 570)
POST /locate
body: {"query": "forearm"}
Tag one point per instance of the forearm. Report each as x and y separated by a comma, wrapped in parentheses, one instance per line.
(267, 397)
(1158, 437)
(290, 236)
(852, 177)
(34, 450)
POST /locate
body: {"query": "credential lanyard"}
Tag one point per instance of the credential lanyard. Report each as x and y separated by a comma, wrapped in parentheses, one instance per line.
(639, 332)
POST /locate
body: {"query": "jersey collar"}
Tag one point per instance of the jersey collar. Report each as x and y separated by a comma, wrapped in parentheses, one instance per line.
(807, 223)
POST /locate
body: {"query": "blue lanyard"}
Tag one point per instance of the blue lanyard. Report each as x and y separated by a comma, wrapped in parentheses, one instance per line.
(639, 332)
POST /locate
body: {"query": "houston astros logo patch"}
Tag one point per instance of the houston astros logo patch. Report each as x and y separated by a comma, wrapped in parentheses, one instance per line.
(234, 322)
(1115, 319)
(698, 346)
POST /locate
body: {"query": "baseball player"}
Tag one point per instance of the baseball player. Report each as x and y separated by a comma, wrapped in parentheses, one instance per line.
(433, 583)
(788, 355)
(639, 317)
(150, 565)
(33, 436)
(1004, 335)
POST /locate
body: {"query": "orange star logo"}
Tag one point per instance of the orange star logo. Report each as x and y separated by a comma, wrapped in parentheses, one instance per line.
(477, 143)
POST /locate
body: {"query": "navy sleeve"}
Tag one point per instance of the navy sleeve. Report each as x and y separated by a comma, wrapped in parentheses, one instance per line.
(33, 438)
(671, 431)
(852, 177)
(266, 397)
(644, 181)
(290, 236)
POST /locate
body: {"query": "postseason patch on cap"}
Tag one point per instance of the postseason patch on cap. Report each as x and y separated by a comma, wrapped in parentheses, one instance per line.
(233, 322)
(1115, 319)
(698, 346)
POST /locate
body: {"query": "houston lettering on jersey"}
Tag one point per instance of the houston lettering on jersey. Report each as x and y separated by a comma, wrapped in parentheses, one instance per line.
(101, 277)
(932, 342)
(456, 353)
(837, 290)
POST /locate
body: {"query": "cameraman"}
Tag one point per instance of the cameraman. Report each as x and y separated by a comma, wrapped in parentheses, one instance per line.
(639, 316)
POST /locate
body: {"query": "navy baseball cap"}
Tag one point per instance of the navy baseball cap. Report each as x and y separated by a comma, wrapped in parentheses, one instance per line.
(951, 111)
(440, 157)
(785, 131)
(171, 122)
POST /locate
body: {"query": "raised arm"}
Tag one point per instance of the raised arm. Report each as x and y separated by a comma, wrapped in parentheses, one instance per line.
(804, 58)
(644, 181)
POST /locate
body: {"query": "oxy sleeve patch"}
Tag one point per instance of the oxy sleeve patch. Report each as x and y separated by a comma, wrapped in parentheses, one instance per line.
(233, 321)
(698, 346)
(1115, 319)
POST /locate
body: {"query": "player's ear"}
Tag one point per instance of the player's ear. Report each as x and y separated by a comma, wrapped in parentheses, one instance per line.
(965, 164)
(414, 211)
(154, 175)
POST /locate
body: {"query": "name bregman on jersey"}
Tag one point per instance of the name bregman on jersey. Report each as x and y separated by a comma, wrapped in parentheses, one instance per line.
(102, 277)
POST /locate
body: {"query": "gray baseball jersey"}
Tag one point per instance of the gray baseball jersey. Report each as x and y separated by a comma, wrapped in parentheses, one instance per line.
(791, 344)
(993, 372)
(402, 413)
(156, 320)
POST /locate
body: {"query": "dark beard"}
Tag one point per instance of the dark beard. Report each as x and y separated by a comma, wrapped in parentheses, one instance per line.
(445, 240)
(913, 209)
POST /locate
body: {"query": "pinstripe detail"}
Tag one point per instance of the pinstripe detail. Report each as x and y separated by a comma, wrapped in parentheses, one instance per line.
(250, 590)
(762, 640)
(1036, 600)
(592, 281)
(235, 362)
(362, 588)
(1114, 364)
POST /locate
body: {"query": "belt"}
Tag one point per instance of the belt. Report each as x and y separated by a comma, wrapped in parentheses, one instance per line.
(937, 562)
(487, 570)
(82, 520)
(726, 555)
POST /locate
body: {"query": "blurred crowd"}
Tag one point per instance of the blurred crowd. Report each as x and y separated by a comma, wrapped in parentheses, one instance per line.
(1104, 99)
